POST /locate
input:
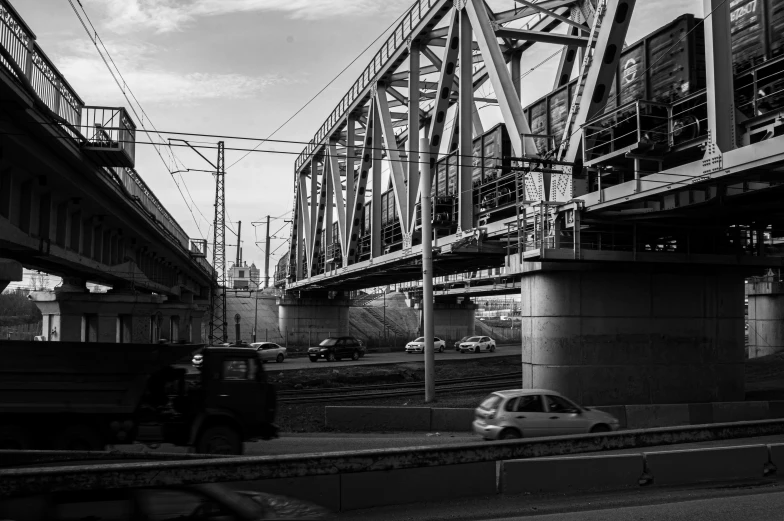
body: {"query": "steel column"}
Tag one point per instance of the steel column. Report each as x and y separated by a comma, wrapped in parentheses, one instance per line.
(412, 175)
(718, 69)
(465, 164)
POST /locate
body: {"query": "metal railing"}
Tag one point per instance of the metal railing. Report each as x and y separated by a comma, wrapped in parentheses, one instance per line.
(638, 122)
(54, 91)
(109, 127)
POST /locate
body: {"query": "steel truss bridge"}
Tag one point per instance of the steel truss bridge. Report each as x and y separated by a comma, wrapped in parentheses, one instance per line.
(580, 195)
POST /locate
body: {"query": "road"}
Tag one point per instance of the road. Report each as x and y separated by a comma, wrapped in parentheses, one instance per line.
(757, 502)
(388, 358)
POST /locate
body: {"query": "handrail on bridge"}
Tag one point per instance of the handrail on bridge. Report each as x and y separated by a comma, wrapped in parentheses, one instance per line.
(56, 93)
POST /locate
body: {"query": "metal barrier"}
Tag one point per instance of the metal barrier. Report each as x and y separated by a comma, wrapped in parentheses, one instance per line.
(641, 123)
(30, 481)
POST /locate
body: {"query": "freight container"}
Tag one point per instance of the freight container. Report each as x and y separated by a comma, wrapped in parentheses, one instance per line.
(476, 163)
(747, 21)
(451, 170)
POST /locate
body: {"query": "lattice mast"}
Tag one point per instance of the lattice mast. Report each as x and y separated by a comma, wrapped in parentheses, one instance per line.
(218, 325)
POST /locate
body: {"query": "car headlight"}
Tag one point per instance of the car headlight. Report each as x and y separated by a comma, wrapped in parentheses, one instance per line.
(323, 350)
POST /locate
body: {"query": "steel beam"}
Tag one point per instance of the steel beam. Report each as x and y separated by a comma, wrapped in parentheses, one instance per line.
(509, 102)
(568, 58)
(538, 36)
(396, 173)
(375, 238)
(465, 203)
(553, 15)
(445, 82)
(371, 146)
(351, 179)
(412, 174)
(718, 68)
(334, 171)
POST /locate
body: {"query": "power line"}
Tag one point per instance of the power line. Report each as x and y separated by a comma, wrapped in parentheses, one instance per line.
(324, 88)
(95, 38)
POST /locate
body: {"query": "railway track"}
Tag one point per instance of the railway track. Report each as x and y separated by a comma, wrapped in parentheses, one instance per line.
(339, 394)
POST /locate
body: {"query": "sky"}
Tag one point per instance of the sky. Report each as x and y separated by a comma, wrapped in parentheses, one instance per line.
(242, 68)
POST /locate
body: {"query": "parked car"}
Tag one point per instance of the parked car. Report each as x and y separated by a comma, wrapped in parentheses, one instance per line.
(337, 348)
(196, 502)
(457, 344)
(532, 413)
(477, 344)
(418, 345)
(270, 351)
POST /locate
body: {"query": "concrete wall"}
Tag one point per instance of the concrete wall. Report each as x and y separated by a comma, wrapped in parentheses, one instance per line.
(766, 324)
(307, 321)
(634, 337)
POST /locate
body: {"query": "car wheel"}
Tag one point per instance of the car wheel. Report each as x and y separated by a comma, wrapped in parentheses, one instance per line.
(600, 428)
(492, 348)
(331, 357)
(478, 349)
(279, 358)
(313, 358)
(355, 355)
(219, 439)
(510, 434)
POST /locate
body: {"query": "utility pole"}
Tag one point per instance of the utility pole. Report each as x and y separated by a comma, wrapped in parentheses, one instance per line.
(238, 262)
(218, 324)
(427, 267)
(267, 256)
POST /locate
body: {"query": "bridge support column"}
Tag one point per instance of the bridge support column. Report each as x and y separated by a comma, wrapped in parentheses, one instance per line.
(452, 321)
(634, 337)
(308, 320)
(10, 271)
(766, 317)
(72, 315)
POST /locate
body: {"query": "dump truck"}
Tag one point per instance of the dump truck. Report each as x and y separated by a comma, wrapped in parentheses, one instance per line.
(86, 396)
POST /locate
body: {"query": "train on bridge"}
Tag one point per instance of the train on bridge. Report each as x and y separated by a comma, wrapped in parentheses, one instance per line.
(655, 119)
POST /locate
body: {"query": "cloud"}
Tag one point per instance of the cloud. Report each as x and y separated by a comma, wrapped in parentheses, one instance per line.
(162, 16)
(150, 82)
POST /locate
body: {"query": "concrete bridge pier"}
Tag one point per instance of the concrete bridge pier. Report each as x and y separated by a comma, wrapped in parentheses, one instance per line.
(766, 316)
(310, 318)
(634, 336)
(72, 314)
(452, 320)
(10, 271)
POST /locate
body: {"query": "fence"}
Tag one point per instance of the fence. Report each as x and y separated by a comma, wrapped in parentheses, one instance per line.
(21, 331)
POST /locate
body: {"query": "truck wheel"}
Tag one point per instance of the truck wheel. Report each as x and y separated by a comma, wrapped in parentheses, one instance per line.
(79, 437)
(14, 437)
(219, 439)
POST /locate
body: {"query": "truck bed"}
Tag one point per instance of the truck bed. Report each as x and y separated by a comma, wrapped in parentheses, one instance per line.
(49, 377)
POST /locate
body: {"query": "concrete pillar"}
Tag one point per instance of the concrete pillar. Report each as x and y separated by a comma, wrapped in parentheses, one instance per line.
(10, 271)
(634, 337)
(453, 321)
(304, 321)
(766, 317)
(116, 316)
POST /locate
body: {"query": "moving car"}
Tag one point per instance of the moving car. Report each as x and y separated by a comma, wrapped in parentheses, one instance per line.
(476, 344)
(457, 344)
(337, 348)
(270, 351)
(533, 413)
(418, 345)
(196, 502)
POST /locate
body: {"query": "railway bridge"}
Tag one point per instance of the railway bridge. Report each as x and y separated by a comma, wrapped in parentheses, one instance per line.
(628, 206)
(72, 204)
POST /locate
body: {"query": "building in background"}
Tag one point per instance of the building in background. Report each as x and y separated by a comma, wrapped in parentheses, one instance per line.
(243, 276)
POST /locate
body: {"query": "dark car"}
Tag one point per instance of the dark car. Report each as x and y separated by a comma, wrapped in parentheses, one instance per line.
(337, 348)
(196, 502)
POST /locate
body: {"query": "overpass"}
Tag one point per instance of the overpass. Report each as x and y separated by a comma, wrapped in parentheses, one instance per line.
(71, 204)
(627, 206)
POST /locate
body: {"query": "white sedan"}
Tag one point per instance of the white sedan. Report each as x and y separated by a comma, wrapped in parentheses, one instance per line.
(418, 345)
(477, 344)
(270, 351)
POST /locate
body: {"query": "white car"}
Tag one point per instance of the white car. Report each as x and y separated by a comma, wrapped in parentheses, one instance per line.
(476, 344)
(418, 345)
(532, 413)
(270, 351)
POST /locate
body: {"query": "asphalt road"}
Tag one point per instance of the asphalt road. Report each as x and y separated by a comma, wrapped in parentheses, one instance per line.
(388, 358)
(749, 502)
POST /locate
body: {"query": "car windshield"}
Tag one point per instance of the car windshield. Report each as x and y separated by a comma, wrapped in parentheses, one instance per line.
(329, 342)
(473, 339)
(491, 402)
(420, 339)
